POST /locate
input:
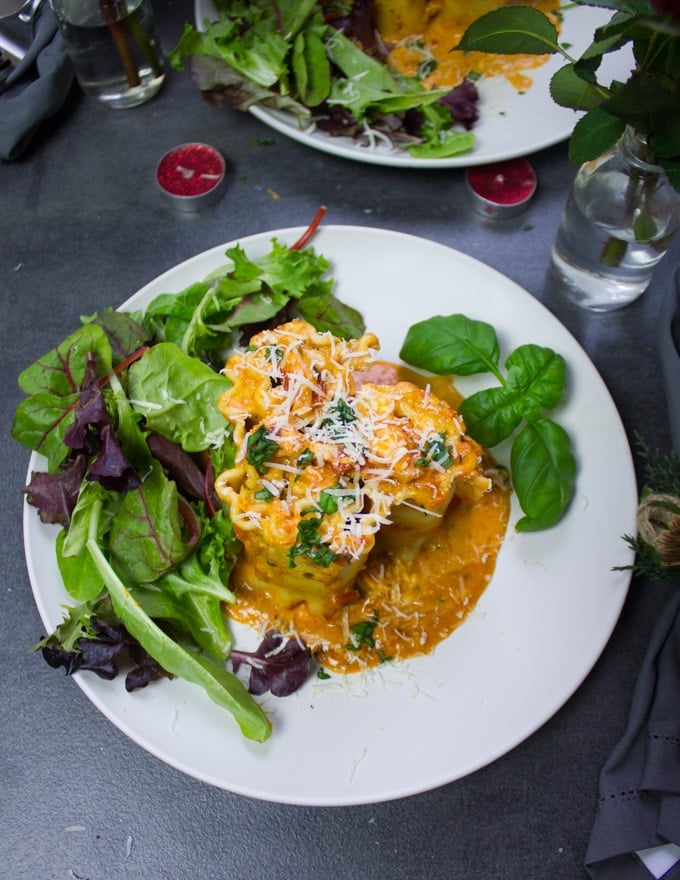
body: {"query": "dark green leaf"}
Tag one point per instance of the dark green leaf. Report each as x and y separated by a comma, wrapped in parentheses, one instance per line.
(328, 314)
(594, 134)
(260, 449)
(490, 415)
(311, 68)
(511, 30)
(53, 383)
(644, 104)
(543, 473)
(147, 534)
(177, 395)
(537, 376)
(568, 89)
(453, 344)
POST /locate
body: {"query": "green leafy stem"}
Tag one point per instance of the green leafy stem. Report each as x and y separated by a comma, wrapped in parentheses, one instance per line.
(649, 101)
(542, 465)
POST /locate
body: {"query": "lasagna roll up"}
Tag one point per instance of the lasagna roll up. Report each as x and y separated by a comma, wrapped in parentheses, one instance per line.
(325, 462)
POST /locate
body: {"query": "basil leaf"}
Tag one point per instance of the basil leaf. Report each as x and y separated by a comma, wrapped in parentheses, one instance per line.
(537, 375)
(452, 344)
(543, 473)
(490, 415)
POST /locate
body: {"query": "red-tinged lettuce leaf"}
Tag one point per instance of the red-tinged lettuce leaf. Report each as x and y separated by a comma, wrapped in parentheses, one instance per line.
(53, 384)
(279, 665)
(55, 495)
(148, 533)
(327, 313)
(359, 25)
(125, 333)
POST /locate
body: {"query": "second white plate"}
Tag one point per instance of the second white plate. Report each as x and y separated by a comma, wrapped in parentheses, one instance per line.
(510, 125)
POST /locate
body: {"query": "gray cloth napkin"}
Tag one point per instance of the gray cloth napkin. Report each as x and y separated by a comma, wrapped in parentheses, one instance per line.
(37, 87)
(639, 805)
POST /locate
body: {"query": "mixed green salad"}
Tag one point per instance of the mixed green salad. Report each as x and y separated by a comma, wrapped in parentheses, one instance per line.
(323, 63)
(124, 412)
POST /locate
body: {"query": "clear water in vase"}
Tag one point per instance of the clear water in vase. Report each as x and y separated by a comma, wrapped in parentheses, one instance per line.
(618, 222)
(602, 268)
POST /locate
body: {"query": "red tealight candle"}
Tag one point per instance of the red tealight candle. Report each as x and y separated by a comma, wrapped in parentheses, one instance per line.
(191, 176)
(502, 189)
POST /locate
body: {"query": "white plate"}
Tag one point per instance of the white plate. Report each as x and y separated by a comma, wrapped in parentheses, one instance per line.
(537, 630)
(511, 124)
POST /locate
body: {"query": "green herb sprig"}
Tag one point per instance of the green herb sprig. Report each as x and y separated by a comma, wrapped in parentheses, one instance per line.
(542, 465)
(657, 544)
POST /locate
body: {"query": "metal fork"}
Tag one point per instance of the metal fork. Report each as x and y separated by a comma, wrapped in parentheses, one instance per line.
(29, 10)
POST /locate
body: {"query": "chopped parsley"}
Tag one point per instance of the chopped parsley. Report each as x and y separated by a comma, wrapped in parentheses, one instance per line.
(304, 458)
(330, 501)
(427, 67)
(362, 634)
(263, 495)
(342, 412)
(322, 674)
(274, 354)
(309, 544)
(260, 449)
(435, 451)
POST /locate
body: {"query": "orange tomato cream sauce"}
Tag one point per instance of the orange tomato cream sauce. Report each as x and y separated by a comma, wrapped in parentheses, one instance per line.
(414, 590)
(420, 34)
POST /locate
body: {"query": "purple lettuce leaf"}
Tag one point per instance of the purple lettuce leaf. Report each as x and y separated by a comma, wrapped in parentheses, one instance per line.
(111, 468)
(55, 495)
(90, 413)
(183, 468)
(279, 665)
(111, 648)
(463, 102)
(92, 434)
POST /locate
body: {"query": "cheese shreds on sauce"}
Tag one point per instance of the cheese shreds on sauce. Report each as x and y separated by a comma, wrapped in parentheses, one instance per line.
(343, 488)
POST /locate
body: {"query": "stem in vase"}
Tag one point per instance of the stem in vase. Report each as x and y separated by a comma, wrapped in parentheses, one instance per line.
(123, 41)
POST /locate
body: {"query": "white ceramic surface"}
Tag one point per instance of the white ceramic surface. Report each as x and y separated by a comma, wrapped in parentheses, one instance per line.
(535, 634)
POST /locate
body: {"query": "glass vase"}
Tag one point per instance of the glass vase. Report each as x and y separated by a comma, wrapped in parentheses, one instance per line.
(618, 222)
(114, 47)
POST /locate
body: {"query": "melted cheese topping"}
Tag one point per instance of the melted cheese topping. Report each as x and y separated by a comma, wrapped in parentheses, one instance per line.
(346, 478)
(420, 34)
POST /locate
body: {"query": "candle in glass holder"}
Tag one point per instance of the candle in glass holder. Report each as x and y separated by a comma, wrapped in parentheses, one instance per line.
(502, 190)
(192, 176)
